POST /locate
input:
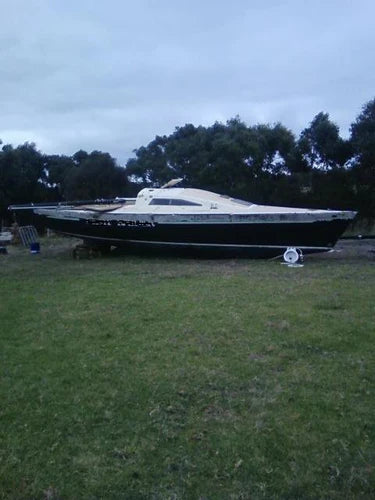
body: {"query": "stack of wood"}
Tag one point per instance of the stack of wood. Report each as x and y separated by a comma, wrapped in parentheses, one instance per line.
(86, 252)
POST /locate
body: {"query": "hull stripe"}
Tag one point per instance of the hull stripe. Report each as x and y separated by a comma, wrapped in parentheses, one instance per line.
(208, 221)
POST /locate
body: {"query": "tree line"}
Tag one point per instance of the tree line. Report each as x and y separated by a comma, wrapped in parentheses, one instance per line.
(262, 163)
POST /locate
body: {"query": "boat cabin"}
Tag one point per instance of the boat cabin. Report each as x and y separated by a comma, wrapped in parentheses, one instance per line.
(185, 197)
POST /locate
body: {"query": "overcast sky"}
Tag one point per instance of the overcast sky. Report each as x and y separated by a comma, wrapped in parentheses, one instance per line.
(89, 74)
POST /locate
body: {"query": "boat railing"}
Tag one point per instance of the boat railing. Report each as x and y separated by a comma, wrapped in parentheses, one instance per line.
(70, 204)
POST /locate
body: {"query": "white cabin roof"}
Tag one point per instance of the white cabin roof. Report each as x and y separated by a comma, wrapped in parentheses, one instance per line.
(204, 198)
(188, 200)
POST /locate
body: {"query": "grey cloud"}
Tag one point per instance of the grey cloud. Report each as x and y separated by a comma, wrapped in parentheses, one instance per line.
(113, 75)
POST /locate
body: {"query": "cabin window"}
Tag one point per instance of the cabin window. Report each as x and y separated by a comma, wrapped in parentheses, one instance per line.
(159, 201)
(173, 202)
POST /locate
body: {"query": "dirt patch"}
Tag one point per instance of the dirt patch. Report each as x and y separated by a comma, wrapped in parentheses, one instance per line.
(349, 249)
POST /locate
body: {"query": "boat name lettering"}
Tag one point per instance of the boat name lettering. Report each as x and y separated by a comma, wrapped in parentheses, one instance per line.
(120, 223)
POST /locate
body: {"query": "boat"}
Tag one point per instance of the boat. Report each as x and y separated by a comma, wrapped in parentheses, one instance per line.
(187, 218)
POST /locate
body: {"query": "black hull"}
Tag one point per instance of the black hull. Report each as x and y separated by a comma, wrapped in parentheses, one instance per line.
(253, 239)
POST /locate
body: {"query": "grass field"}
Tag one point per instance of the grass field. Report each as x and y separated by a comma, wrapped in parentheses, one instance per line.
(169, 378)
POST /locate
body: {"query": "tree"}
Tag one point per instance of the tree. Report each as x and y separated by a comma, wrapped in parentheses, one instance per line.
(94, 175)
(321, 146)
(22, 175)
(231, 158)
(150, 166)
(57, 169)
(322, 164)
(363, 141)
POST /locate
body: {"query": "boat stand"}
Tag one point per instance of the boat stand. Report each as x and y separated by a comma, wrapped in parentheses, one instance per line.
(87, 250)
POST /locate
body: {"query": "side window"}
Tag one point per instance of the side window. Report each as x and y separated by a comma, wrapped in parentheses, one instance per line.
(160, 201)
(174, 202)
(185, 203)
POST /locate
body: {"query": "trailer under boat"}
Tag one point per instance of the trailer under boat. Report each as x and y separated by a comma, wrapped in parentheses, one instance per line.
(185, 218)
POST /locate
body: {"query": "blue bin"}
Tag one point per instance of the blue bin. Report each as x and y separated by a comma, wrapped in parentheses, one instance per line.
(35, 248)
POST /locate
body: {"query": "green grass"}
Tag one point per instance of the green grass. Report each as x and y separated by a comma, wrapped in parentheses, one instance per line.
(138, 377)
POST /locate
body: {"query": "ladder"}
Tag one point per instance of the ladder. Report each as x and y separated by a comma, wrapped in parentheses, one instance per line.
(28, 235)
